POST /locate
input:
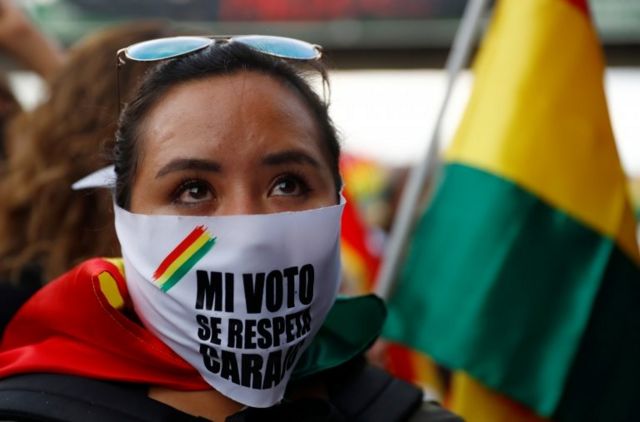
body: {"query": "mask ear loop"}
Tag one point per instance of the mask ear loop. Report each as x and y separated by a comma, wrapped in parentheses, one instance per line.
(322, 70)
(326, 86)
(120, 61)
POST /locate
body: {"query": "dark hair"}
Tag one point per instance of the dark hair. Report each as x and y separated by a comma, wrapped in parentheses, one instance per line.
(216, 60)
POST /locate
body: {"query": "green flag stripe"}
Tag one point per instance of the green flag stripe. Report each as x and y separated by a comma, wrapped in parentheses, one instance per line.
(500, 284)
(603, 383)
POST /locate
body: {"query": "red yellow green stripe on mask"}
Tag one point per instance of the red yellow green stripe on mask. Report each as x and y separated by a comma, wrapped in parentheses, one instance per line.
(181, 259)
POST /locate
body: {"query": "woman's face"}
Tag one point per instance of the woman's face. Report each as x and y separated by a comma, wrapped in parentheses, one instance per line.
(234, 144)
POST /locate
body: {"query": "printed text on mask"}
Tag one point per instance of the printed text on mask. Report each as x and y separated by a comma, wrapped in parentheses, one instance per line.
(290, 289)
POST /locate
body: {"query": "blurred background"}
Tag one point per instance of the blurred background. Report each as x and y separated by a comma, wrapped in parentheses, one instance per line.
(387, 59)
(394, 48)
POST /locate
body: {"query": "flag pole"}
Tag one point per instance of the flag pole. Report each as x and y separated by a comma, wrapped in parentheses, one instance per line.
(403, 221)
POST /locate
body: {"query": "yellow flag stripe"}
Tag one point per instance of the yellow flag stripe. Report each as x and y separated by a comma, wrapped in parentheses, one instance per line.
(543, 122)
(184, 256)
(427, 374)
(355, 270)
(477, 403)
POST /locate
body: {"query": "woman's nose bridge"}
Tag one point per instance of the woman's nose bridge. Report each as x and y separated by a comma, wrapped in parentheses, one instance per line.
(242, 201)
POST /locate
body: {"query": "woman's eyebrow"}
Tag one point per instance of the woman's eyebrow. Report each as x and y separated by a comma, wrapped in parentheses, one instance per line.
(290, 156)
(180, 164)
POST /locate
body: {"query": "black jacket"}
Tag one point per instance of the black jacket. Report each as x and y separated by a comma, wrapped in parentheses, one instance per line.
(357, 392)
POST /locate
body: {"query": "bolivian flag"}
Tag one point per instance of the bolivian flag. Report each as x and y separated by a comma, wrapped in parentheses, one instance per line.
(523, 274)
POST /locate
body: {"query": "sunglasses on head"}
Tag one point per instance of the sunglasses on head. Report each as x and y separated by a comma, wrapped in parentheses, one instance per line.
(172, 47)
(169, 48)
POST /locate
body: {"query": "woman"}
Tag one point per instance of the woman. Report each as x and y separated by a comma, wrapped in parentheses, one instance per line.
(227, 205)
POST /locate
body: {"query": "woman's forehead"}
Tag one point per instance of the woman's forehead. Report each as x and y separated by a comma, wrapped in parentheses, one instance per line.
(231, 92)
(242, 113)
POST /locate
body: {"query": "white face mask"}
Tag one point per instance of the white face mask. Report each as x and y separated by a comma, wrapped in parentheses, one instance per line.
(238, 297)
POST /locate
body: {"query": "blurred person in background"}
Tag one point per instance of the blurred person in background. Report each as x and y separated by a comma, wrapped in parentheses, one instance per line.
(45, 227)
(9, 108)
(23, 42)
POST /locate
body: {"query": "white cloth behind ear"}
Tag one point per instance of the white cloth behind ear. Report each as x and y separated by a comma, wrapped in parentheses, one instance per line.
(103, 178)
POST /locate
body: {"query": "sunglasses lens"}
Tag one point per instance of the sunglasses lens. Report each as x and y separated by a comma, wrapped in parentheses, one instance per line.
(166, 48)
(288, 48)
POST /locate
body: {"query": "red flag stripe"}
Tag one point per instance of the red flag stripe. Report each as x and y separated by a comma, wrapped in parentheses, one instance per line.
(580, 4)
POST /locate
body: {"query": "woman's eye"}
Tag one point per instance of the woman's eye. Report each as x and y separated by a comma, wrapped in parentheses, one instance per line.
(192, 192)
(289, 186)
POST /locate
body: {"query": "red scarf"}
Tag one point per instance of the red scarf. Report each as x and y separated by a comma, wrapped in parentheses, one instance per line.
(78, 325)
